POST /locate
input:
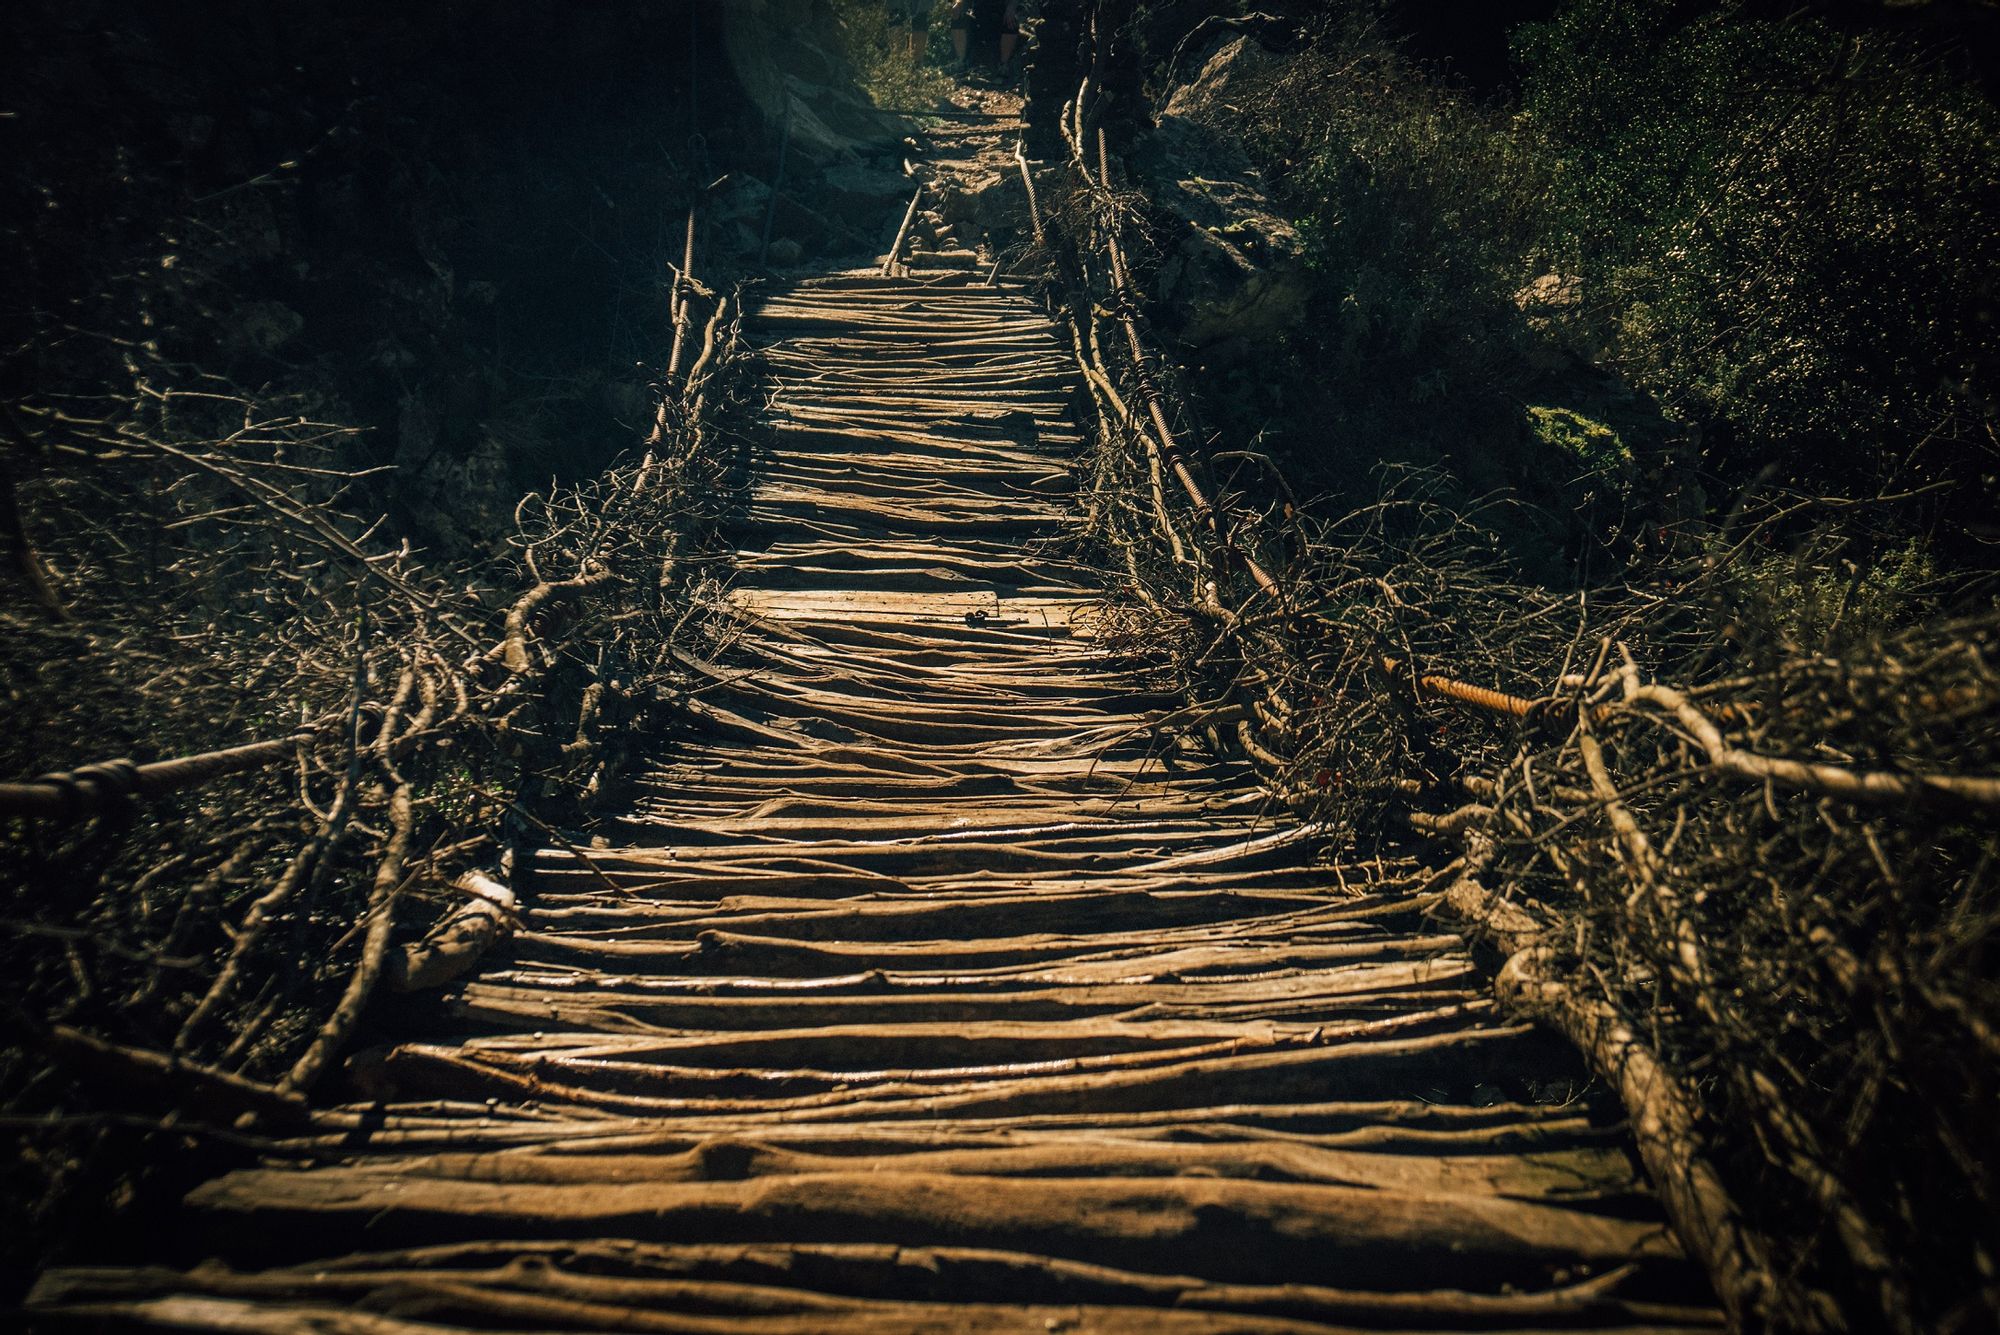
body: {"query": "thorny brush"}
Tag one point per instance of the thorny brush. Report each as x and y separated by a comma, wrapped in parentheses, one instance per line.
(205, 584)
(1818, 968)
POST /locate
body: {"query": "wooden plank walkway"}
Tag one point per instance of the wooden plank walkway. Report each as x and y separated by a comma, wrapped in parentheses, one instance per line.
(926, 992)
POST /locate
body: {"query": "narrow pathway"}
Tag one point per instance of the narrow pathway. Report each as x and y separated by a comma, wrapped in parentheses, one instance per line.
(925, 993)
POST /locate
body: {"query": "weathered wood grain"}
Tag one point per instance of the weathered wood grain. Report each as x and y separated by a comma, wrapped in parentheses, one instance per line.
(931, 984)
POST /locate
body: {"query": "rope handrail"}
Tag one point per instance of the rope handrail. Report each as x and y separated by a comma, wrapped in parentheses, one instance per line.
(108, 784)
(1440, 687)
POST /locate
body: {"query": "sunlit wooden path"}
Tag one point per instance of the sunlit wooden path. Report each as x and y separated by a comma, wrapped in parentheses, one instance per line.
(929, 989)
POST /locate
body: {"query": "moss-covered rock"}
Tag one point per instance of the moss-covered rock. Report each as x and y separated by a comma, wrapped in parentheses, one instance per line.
(1595, 446)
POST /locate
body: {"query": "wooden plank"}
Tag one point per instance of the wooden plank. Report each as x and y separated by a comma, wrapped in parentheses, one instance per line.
(1230, 1230)
(926, 987)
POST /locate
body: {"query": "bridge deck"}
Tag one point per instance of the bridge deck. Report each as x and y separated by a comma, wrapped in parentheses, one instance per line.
(927, 991)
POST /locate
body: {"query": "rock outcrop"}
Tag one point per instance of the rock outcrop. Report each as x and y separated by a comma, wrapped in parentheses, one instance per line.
(843, 154)
(780, 49)
(1232, 277)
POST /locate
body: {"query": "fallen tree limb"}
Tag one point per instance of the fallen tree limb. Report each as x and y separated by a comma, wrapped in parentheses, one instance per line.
(22, 554)
(375, 947)
(514, 643)
(1664, 1116)
(1852, 785)
(184, 1084)
(451, 949)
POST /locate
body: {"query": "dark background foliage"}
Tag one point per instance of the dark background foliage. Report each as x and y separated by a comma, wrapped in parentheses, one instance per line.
(308, 307)
(1685, 314)
(1634, 261)
(443, 224)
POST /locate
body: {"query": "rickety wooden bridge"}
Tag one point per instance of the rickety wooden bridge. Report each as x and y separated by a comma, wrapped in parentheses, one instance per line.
(926, 989)
(926, 993)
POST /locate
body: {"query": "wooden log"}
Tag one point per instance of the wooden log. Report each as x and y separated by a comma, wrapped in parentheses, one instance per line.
(1391, 1125)
(435, 1300)
(156, 1077)
(1665, 1124)
(1381, 1069)
(450, 949)
(1232, 1230)
(760, 1278)
(1595, 1176)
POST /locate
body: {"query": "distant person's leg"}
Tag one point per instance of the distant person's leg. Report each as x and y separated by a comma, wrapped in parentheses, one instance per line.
(961, 34)
(910, 18)
(1010, 35)
(985, 29)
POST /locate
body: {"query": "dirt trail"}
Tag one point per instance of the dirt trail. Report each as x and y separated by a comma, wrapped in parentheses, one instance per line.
(923, 993)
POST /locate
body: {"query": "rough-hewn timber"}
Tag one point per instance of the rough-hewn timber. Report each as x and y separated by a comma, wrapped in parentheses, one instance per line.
(930, 989)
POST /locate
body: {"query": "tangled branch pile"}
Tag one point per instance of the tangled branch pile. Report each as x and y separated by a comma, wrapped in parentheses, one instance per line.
(198, 582)
(1773, 883)
(1788, 870)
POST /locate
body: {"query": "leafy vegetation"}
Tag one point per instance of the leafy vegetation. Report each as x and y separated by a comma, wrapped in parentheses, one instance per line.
(1759, 249)
(879, 51)
(1787, 231)
(1716, 291)
(1595, 446)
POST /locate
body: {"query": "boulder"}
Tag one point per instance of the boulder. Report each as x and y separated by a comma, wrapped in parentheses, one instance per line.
(860, 196)
(1231, 67)
(1552, 337)
(266, 326)
(740, 198)
(1548, 294)
(788, 50)
(985, 204)
(1232, 276)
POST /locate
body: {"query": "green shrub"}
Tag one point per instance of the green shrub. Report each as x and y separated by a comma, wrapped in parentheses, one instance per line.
(1418, 211)
(1780, 234)
(1790, 228)
(877, 49)
(1813, 601)
(1593, 445)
